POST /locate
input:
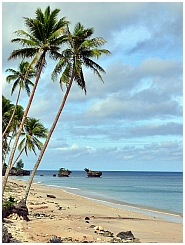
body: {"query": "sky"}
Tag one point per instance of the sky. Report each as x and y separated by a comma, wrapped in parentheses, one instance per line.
(131, 122)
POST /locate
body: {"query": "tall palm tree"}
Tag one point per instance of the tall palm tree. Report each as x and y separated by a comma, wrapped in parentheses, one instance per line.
(20, 80)
(44, 36)
(33, 131)
(80, 52)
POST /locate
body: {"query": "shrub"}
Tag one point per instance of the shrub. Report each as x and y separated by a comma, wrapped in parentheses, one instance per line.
(7, 206)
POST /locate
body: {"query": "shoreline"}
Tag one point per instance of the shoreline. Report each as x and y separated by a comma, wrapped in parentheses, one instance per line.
(150, 211)
(73, 210)
(163, 214)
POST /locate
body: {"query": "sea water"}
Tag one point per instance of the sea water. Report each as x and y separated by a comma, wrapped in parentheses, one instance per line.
(158, 194)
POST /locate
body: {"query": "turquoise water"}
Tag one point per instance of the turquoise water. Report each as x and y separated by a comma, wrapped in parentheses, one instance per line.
(158, 194)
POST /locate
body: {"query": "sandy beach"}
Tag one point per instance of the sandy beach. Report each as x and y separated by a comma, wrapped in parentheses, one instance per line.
(76, 219)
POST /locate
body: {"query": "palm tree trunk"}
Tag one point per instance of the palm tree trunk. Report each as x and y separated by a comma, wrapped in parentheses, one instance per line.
(18, 96)
(18, 155)
(4, 140)
(21, 127)
(4, 158)
(24, 199)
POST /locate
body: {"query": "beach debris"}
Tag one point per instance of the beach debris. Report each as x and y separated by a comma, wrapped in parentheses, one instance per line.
(55, 239)
(108, 234)
(21, 209)
(5, 235)
(99, 228)
(14, 216)
(51, 196)
(91, 226)
(126, 235)
(42, 215)
(87, 219)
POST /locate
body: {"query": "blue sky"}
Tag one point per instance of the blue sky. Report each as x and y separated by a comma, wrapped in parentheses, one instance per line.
(132, 121)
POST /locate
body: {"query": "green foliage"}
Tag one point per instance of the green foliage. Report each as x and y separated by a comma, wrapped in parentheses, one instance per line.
(8, 203)
(63, 169)
(20, 164)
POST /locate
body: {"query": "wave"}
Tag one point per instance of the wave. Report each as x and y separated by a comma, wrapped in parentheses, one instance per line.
(72, 188)
(63, 187)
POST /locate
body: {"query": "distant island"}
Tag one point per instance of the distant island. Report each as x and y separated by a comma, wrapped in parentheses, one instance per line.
(91, 173)
(16, 171)
(64, 172)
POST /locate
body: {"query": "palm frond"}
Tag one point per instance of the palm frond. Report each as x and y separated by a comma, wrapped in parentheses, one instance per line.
(58, 68)
(26, 35)
(9, 78)
(20, 146)
(94, 67)
(11, 70)
(65, 75)
(27, 84)
(23, 53)
(80, 80)
(16, 83)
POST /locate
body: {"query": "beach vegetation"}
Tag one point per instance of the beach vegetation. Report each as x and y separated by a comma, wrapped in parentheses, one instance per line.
(7, 206)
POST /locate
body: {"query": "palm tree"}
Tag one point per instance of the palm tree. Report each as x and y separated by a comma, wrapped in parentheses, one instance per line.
(33, 130)
(44, 36)
(20, 164)
(19, 112)
(81, 50)
(20, 80)
(7, 109)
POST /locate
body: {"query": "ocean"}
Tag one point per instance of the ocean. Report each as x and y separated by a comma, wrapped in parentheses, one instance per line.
(157, 194)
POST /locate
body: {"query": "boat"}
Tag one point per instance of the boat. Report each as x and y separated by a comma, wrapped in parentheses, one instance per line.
(64, 172)
(93, 173)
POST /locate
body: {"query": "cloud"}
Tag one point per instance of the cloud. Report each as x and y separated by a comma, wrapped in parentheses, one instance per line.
(134, 119)
(84, 156)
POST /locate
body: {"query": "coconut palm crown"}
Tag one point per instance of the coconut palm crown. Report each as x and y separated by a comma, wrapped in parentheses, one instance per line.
(18, 76)
(45, 33)
(81, 51)
(21, 78)
(33, 130)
